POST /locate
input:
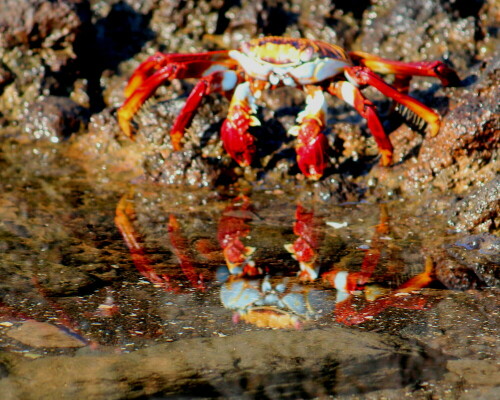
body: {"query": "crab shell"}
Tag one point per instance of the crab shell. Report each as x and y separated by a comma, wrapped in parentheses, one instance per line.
(290, 62)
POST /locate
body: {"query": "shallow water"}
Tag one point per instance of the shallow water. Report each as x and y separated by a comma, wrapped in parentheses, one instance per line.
(145, 305)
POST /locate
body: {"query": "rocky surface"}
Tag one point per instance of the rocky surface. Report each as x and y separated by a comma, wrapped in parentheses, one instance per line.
(67, 280)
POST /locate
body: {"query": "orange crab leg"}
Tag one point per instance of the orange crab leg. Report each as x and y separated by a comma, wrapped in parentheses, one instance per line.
(347, 314)
(160, 68)
(196, 63)
(364, 76)
(436, 69)
(143, 91)
(124, 214)
(347, 283)
(353, 96)
(350, 282)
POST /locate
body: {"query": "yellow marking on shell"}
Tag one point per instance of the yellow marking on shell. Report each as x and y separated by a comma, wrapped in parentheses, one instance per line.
(285, 50)
(278, 53)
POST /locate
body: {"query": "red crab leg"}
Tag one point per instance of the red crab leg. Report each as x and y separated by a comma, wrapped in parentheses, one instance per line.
(350, 282)
(364, 76)
(219, 81)
(238, 142)
(353, 96)
(436, 69)
(160, 68)
(311, 145)
(347, 314)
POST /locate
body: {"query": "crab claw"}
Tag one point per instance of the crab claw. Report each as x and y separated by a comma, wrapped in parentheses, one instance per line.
(311, 148)
(238, 142)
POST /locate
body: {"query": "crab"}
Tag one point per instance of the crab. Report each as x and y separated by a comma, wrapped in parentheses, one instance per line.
(271, 62)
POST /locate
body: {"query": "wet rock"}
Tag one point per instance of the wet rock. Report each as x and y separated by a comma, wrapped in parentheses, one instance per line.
(462, 326)
(39, 23)
(54, 119)
(481, 254)
(3, 371)
(479, 211)
(37, 42)
(464, 155)
(469, 262)
(40, 334)
(413, 30)
(475, 372)
(240, 366)
(198, 163)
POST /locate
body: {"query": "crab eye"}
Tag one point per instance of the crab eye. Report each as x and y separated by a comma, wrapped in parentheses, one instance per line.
(306, 54)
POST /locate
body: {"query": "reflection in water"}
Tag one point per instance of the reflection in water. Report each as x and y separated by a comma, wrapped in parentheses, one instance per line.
(265, 269)
(259, 298)
(298, 289)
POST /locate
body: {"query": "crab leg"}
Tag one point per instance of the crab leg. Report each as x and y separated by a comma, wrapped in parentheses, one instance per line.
(403, 297)
(160, 68)
(348, 283)
(238, 142)
(180, 249)
(123, 220)
(311, 145)
(436, 69)
(219, 81)
(360, 76)
(353, 96)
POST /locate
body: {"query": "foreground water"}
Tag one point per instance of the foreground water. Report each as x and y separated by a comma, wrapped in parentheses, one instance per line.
(117, 290)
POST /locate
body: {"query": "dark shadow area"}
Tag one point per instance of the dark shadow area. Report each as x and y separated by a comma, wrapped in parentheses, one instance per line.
(274, 19)
(330, 377)
(108, 42)
(357, 8)
(463, 8)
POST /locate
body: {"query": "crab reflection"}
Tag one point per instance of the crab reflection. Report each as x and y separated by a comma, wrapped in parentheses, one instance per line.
(259, 297)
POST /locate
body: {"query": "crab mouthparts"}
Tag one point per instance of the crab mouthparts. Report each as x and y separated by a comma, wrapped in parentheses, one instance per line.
(275, 79)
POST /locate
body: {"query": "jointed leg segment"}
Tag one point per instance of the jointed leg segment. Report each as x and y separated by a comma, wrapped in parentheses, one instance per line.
(216, 82)
(361, 76)
(436, 69)
(353, 96)
(160, 68)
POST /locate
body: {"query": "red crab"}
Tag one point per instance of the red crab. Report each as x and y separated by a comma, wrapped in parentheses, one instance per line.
(271, 62)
